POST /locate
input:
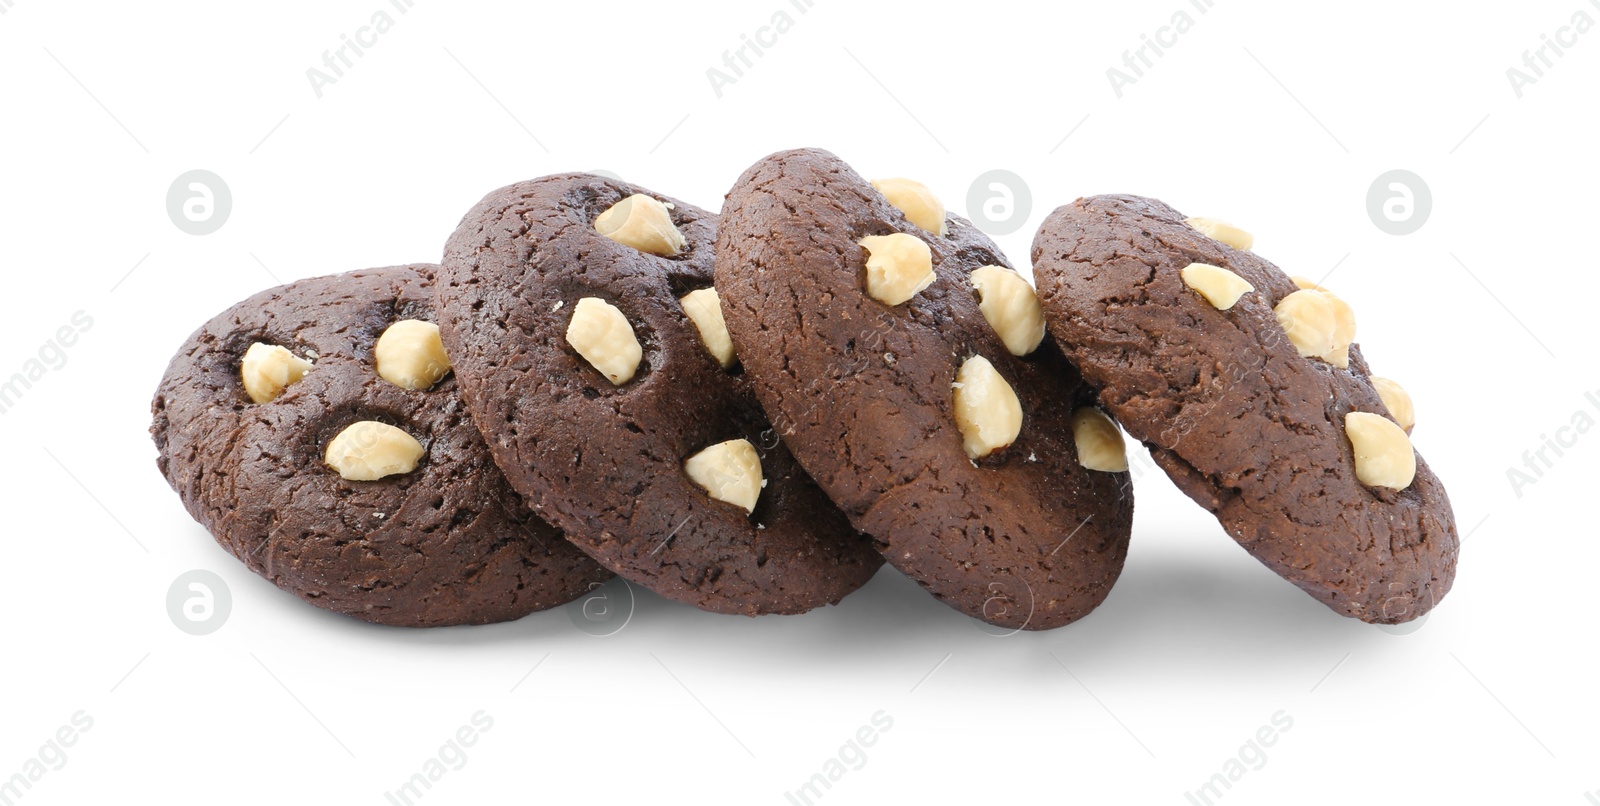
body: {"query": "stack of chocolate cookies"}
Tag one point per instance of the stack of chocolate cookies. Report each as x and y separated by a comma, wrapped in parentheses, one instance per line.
(750, 412)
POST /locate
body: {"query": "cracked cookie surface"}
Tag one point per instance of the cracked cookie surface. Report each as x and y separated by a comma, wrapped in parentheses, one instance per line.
(1024, 537)
(1243, 422)
(447, 543)
(603, 453)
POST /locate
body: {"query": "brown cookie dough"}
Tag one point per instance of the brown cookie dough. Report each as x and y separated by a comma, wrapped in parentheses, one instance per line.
(1247, 418)
(863, 391)
(598, 394)
(447, 542)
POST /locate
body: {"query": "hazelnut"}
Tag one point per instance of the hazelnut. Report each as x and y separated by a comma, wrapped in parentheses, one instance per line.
(987, 410)
(1099, 441)
(728, 471)
(1319, 324)
(370, 450)
(268, 369)
(1307, 318)
(1221, 287)
(643, 223)
(704, 309)
(1344, 323)
(1384, 457)
(899, 266)
(410, 355)
(1344, 331)
(1218, 230)
(1397, 401)
(1011, 306)
(602, 335)
(916, 201)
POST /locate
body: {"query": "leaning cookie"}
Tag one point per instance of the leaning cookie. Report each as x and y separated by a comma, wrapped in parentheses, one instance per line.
(907, 366)
(316, 431)
(1247, 387)
(588, 338)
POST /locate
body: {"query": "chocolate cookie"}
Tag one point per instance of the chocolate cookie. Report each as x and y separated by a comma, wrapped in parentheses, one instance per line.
(906, 365)
(588, 339)
(1249, 392)
(315, 431)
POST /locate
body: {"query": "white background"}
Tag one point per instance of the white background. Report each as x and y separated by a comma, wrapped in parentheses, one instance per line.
(1278, 116)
